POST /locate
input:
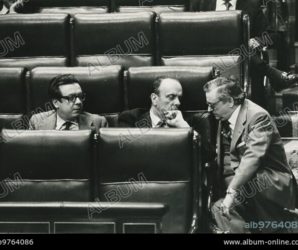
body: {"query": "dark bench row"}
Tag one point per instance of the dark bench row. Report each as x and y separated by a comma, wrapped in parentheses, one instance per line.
(101, 6)
(127, 39)
(45, 168)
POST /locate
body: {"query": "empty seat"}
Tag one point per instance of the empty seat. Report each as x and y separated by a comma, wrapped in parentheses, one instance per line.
(225, 65)
(103, 87)
(30, 40)
(65, 6)
(287, 123)
(46, 165)
(290, 99)
(11, 121)
(149, 5)
(140, 79)
(12, 90)
(218, 39)
(155, 165)
(125, 39)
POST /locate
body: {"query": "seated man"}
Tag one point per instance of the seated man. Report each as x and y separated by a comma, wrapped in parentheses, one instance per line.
(253, 168)
(67, 98)
(164, 108)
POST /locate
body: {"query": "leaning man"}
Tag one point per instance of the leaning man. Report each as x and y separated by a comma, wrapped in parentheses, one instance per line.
(253, 170)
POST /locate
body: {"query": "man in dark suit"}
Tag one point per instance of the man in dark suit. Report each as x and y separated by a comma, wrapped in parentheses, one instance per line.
(259, 22)
(165, 101)
(253, 168)
(67, 98)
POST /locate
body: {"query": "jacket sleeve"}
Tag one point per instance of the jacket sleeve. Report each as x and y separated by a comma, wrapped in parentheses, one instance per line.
(31, 123)
(260, 133)
(104, 123)
(126, 119)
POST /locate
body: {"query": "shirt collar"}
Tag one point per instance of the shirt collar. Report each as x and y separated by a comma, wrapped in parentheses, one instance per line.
(4, 10)
(60, 123)
(233, 118)
(220, 5)
(154, 118)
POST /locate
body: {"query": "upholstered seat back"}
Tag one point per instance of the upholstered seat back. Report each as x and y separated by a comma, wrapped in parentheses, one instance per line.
(46, 165)
(148, 165)
(125, 39)
(34, 40)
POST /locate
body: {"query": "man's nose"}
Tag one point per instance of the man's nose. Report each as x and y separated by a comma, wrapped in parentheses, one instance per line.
(177, 102)
(78, 100)
(210, 109)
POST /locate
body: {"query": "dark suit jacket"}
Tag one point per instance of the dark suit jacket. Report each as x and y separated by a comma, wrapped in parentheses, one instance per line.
(135, 118)
(259, 22)
(257, 154)
(47, 121)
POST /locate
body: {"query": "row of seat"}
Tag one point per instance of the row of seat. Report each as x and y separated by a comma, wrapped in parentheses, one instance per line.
(101, 6)
(127, 39)
(109, 89)
(77, 166)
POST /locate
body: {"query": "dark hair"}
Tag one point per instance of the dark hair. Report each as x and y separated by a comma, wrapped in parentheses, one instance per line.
(54, 91)
(226, 88)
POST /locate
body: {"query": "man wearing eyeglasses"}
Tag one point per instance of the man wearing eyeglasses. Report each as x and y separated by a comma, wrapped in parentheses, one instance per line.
(67, 98)
(252, 166)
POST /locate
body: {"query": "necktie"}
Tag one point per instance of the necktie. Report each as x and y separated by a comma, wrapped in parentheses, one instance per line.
(226, 130)
(67, 126)
(227, 4)
(161, 124)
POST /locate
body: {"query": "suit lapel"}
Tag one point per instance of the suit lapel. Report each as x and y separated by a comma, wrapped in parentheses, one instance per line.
(241, 4)
(239, 127)
(144, 121)
(49, 121)
(85, 122)
(212, 5)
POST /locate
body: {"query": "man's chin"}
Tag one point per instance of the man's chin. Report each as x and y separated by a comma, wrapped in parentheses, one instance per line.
(76, 113)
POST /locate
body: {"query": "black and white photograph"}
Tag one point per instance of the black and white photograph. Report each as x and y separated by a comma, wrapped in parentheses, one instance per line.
(149, 117)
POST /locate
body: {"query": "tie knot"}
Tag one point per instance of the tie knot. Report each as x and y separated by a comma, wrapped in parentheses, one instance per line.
(226, 129)
(161, 124)
(227, 4)
(67, 125)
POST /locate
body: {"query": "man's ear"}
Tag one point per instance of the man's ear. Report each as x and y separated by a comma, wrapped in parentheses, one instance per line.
(231, 102)
(55, 103)
(153, 97)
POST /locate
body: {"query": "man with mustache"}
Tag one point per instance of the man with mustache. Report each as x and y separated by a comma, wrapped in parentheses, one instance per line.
(67, 98)
(165, 101)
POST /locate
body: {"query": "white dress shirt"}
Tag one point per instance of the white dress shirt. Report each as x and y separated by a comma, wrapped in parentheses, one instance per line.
(154, 119)
(60, 124)
(233, 118)
(4, 10)
(220, 5)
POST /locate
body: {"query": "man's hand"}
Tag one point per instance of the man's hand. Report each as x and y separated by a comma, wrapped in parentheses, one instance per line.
(175, 119)
(253, 43)
(228, 203)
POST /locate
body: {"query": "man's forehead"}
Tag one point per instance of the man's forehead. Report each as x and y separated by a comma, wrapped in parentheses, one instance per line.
(72, 88)
(212, 94)
(170, 85)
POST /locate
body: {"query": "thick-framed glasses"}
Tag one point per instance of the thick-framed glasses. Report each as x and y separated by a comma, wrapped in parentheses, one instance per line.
(73, 98)
(212, 106)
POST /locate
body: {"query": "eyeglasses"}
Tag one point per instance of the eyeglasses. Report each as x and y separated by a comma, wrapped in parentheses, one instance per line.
(73, 98)
(212, 106)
